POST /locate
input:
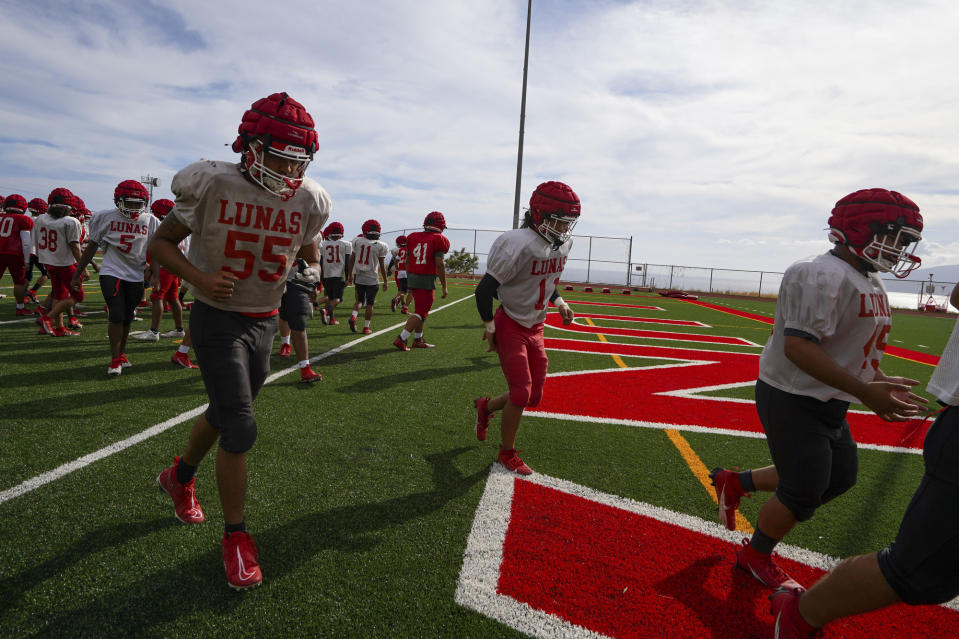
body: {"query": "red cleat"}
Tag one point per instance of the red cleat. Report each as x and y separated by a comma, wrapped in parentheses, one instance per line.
(763, 568)
(182, 360)
(352, 322)
(46, 324)
(419, 342)
(240, 560)
(21, 312)
(728, 494)
(63, 331)
(285, 350)
(185, 506)
(482, 417)
(367, 330)
(510, 459)
(400, 344)
(307, 376)
(334, 321)
(784, 606)
(124, 362)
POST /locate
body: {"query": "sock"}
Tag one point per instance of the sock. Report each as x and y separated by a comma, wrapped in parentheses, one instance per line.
(761, 542)
(183, 349)
(232, 528)
(404, 335)
(366, 323)
(355, 314)
(417, 335)
(305, 363)
(184, 471)
(285, 340)
(19, 306)
(179, 328)
(746, 481)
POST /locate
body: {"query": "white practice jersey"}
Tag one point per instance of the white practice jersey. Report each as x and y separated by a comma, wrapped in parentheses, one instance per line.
(944, 383)
(52, 237)
(368, 253)
(528, 269)
(239, 226)
(847, 311)
(336, 255)
(123, 242)
(399, 261)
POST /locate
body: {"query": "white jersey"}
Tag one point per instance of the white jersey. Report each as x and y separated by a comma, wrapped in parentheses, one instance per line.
(847, 311)
(123, 242)
(239, 226)
(336, 255)
(52, 237)
(528, 269)
(944, 383)
(368, 254)
(399, 261)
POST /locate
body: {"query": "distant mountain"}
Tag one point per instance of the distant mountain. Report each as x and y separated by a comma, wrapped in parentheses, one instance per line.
(943, 278)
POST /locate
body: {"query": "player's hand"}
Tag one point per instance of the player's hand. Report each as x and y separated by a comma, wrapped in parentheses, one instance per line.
(567, 314)
(75, 281)
(219, 286)
(84, 275)
(309, 275)
(490, 338)
(445, 292)
(385, 286)
(892, 401)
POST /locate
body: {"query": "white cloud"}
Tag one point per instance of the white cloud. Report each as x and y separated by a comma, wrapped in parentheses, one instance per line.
(714, 133)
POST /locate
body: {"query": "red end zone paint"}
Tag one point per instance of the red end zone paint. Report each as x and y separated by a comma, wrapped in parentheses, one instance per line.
(648, 320)
(647, 308)
(623, 574)
(554, 320)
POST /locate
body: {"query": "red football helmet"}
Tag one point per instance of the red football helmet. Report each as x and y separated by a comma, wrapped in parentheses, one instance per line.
(37, 206)
(60, 202)
(401, 240)
(280, 126)
(881, 227)
(131, 197)
(15, 203)
(334, 231)
(435, 222)
(371, 229)
(554, 210)
(161, 207)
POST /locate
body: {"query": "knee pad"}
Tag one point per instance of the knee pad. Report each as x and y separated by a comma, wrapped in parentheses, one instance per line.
(535, 397)
(839, 486)
(519, 397)
(803, 507)
(241, 434)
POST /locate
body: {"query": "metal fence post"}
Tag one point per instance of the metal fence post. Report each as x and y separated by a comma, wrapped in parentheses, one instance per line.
(711, 280)
(760, 284)
(589, 258)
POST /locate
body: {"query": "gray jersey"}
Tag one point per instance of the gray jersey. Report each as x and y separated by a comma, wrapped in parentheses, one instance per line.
(944, 383)
(238, 226)
(847, 311)
(368, 254)
(336, 255)
(52, 237)
(123, 242)
(528, 269)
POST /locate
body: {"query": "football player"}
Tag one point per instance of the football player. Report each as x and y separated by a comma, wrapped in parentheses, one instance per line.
(832, 323)
(523, 269)
(249, 222)
(336, 254)
(35, 208)
(368, 258)
(295, 310)
(123, 233)
(165, 292)
(15, 246)
(57, 246)
(424, 263)
(398, 265)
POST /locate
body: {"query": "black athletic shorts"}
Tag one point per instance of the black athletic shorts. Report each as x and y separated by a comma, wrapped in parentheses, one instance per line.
(366, 293)
(922, 564)
(811, 447)
(121, 297)
(333, 287)
(296, 307)
(233, 351)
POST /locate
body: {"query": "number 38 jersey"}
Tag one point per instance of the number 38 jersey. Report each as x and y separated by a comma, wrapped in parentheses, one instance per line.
(52, 237)
(123, 242)
(847, 311)
(242, 228)
(528, 269)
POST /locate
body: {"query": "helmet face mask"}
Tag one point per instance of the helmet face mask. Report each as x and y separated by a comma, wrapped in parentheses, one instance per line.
(891, 252)
(131, 198)
(278, 168)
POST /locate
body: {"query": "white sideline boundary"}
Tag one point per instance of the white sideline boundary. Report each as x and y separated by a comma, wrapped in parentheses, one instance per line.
(62, 471)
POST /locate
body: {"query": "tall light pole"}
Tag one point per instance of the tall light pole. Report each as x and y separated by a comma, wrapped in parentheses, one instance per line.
(522, 121)
(151, 182)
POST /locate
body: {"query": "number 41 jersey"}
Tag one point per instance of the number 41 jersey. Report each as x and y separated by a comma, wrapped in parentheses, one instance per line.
(240, 227)
(528, 269)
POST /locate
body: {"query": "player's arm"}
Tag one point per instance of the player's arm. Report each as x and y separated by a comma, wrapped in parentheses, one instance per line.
(164, 247)
(564, 310)
(486, 290)
(386, 278)
(881, 396)
(349, 269)
(82, 259)
(441, 270)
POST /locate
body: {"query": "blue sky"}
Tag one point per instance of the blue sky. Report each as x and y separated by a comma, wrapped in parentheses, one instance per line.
(714, 133)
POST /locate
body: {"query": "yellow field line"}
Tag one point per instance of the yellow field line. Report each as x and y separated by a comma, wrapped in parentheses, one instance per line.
(695, 464)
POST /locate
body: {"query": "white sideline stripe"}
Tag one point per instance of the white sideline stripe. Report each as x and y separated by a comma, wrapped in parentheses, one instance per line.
(21, 320)
(477, 583)
(61, 471)
(690, 428)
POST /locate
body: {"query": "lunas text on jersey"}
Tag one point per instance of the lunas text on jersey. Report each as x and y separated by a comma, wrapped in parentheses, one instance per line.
(873, 305)
(546, 267)
(259, 217)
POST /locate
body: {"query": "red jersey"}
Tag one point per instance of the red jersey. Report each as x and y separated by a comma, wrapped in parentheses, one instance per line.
(11, 225)
(421, 249)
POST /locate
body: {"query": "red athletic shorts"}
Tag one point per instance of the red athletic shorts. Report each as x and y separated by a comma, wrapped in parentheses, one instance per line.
(18, 270)
(422, 301)
(60, 277)
(168, 288)
(522, 356)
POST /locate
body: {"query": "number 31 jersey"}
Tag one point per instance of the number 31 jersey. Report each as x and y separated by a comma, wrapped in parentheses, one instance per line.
(528, 269)
(240, 227)
(847, 311)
